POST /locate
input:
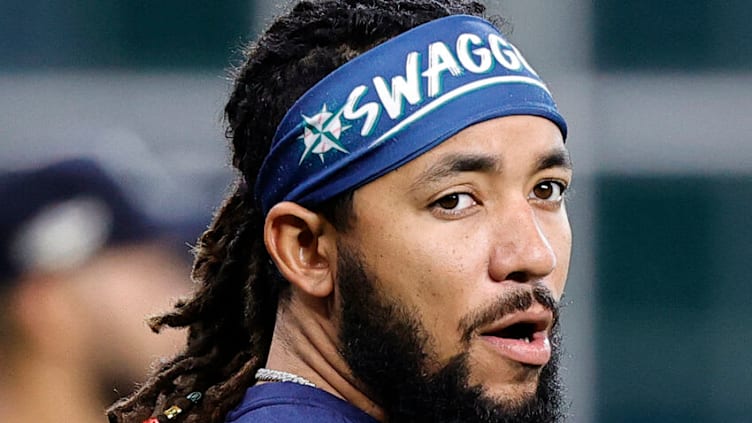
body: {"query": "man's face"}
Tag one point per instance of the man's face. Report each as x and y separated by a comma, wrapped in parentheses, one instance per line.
(114, 293)
(467, 250)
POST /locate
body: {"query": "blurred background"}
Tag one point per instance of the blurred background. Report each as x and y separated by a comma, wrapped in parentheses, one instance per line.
(658, 325)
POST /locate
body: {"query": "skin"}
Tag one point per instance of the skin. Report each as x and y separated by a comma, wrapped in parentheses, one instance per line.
(470, 221)
(83, 338)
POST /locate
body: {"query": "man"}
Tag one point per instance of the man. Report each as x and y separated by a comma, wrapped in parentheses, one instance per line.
(80, 268)
(397, 244)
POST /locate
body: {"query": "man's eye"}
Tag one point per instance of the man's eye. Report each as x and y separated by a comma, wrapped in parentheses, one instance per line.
(548, 191)
(455, 202)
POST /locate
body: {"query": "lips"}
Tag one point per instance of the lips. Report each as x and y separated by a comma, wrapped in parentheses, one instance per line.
(522, 337)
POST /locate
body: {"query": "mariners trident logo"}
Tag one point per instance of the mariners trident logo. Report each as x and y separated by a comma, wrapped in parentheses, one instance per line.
(321, 133)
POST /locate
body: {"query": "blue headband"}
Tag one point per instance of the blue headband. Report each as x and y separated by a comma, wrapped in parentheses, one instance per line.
(395, 102)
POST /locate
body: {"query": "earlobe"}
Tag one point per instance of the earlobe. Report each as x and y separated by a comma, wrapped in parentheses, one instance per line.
(301, 246)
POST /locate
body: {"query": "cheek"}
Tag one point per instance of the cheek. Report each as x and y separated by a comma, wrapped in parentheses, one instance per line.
(559, 235)
(431, 271)
(430, 257)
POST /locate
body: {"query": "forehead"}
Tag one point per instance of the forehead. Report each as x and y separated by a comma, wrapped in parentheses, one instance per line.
(511, 142)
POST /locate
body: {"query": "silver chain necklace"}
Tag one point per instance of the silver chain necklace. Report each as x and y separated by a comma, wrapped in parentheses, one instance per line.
(268, 375)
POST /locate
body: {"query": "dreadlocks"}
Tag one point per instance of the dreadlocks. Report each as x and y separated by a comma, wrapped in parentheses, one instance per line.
(231, 316)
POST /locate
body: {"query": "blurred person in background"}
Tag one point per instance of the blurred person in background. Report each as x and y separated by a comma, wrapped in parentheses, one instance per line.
(80, 269)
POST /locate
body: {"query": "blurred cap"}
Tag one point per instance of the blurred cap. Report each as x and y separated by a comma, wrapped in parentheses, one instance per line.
(57, 216)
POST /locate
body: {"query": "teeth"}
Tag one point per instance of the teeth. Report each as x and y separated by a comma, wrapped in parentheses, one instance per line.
(526, 339)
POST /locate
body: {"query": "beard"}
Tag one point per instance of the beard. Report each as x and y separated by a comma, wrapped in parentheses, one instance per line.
(388, 350)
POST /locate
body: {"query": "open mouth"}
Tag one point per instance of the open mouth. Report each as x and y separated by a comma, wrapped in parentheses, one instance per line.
(523, 331)
(522, 337)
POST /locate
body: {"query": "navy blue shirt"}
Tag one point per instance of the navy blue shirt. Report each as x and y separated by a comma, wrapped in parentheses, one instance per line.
(287, 402)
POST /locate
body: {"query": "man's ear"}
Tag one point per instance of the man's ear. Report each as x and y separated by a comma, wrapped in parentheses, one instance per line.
(303, 247)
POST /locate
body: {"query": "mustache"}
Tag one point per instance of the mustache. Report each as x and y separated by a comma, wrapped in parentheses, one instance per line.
(512, 302)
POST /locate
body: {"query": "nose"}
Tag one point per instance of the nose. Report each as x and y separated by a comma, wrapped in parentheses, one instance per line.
(521, 251)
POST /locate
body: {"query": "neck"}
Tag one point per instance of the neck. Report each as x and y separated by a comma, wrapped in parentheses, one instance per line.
(305, 343)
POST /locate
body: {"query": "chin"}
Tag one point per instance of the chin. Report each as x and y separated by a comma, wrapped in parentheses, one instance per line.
(515, 388)
(502, 378)
(514, 393)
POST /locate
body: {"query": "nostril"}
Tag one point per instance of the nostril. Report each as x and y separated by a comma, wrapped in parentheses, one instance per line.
(518, 277)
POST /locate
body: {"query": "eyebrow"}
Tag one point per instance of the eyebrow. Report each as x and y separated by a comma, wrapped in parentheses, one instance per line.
(468, 162)
(556, 158)
(454, 164)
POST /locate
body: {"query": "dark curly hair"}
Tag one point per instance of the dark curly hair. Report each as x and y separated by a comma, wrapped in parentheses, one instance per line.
(231, 316)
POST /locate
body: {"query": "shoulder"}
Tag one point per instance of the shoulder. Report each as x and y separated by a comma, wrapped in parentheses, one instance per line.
(290, 402)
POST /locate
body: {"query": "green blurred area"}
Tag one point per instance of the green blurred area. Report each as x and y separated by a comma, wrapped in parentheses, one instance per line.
(640, 34)
(696, 35)
(673, 258)
(133, 34)
(673, 326)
